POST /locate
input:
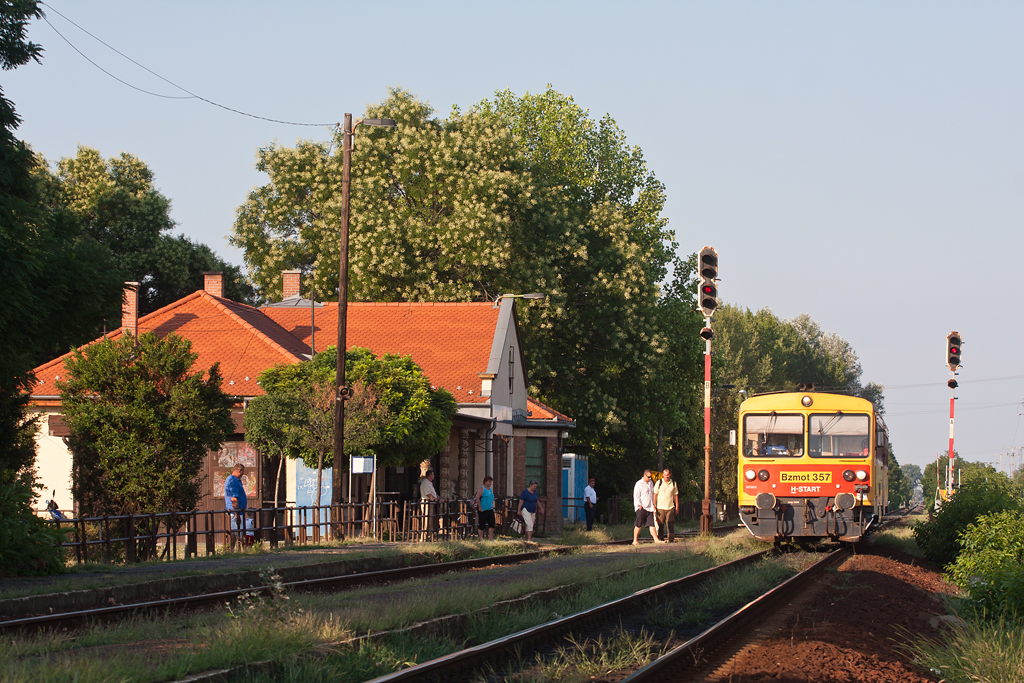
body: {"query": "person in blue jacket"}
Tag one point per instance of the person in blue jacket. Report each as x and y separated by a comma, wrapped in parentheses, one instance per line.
(234, 503)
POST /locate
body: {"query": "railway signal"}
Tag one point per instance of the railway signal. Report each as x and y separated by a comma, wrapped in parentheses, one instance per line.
(707, 300)
(953, 342)
(708, 294)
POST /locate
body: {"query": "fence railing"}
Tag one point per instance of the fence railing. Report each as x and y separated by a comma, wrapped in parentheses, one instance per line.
(172, 536)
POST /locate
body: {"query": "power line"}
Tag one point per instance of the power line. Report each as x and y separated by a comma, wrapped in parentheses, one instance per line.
(190, 94)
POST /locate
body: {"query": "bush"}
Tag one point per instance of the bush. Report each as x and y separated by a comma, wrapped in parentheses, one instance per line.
(28, 543)
(939, 536)
(990, 566)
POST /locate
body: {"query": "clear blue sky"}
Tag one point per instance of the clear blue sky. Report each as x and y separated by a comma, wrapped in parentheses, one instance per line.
(860, 162)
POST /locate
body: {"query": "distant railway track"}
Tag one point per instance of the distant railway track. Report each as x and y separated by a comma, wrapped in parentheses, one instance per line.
(76, 618)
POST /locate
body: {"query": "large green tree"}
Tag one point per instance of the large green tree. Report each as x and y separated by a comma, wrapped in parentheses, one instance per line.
(142, 420)
(115, 202)
(28, 256)
(517, 194)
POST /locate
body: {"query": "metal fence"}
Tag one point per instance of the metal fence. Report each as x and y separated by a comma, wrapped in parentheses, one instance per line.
(172, 536)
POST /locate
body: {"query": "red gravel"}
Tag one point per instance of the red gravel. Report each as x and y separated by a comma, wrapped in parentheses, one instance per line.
(849, 629)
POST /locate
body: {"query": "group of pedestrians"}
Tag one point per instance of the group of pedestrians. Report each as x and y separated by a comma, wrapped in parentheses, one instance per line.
(656, 506)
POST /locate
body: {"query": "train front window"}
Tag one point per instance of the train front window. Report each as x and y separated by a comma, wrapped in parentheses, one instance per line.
(773, 436)
(838, 435)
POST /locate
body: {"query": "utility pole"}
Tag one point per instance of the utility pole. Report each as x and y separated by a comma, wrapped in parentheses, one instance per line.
(341, 390)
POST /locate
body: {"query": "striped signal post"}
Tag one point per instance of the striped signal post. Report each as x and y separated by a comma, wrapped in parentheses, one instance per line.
(707, 299)
(953, 343)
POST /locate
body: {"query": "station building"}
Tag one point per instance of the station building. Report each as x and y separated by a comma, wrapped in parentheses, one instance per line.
(474, 350)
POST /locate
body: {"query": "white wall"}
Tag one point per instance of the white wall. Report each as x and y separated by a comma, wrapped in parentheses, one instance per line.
(53, 466)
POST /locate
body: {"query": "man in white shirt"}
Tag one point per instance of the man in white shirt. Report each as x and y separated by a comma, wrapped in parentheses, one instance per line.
(427, 492)
(643, 503)
(589, 501)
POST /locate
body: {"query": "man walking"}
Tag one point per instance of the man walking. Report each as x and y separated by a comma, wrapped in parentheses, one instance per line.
(235, 502)
(666, 503)
(589, 501)
(643, 503)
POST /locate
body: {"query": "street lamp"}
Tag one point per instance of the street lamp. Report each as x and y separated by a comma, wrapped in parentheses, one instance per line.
(531, 295)
(341, 391)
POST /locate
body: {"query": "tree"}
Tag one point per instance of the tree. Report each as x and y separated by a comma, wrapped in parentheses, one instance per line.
(901, 488)
(115, 203)
(963, 471)
(912, 473)
(274, 427)
(401, 418)
(142, 420)
(518, 194)
(27, 544)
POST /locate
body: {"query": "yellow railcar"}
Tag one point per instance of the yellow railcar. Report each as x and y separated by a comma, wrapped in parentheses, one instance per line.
(811, 466)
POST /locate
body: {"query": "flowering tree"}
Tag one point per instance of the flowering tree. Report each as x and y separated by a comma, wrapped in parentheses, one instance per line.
(517, 194)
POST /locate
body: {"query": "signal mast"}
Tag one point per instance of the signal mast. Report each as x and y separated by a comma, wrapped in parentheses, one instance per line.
(953, 343)
(707, 303)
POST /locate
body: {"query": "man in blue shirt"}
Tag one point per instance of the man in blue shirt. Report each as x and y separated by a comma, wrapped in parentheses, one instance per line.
(234, 503)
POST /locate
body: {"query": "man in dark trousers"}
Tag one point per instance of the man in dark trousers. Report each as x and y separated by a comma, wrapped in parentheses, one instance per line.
(589, 501)
(234, 503)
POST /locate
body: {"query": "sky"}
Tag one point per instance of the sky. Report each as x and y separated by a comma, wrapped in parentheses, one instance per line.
(859, 162)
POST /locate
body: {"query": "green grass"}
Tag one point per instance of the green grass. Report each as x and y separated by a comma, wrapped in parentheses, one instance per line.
(92, 576)
(900, 537)
(972, 650)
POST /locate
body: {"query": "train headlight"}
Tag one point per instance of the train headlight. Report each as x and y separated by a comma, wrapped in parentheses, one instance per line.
(763, 475)
(750, 475)
(862, 475)
(848, 475)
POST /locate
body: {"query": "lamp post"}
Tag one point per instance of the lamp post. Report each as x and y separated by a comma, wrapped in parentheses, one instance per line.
(531, 295)
(341, 391)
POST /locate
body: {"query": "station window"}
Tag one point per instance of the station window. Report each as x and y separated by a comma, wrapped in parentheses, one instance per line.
(535, 464)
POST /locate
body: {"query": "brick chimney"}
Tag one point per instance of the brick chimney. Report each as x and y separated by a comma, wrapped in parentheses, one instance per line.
(213, 283)
(292, 280)
(130, 309)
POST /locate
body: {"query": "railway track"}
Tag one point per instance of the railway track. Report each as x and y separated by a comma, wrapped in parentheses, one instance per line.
(75, 618)
(679, 663)
(482, 659)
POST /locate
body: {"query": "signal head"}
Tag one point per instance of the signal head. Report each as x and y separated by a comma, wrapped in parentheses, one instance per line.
(708, 262)
(953, 344)
(707, 298)
(952, 384)
(707, 334)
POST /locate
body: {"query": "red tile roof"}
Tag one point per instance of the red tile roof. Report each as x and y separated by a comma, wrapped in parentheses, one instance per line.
(451, 342)
(538, 411)
(243, 340)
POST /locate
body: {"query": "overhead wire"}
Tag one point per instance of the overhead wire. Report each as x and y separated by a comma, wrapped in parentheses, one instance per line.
(190, 94)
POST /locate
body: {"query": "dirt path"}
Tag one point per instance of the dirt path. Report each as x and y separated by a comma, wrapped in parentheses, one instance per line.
(849, 628)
